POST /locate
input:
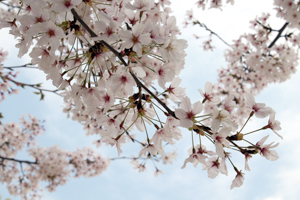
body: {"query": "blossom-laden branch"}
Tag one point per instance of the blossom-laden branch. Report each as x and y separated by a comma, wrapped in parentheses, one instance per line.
(103, 57)
(7, 78)
(138, 82)
(254, 61)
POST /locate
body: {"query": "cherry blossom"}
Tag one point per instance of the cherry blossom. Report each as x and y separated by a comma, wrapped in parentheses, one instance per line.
(136, 39)
(222, 117)
(209, 95)
(266, 149)
(221, 141)
(115, 65)
(260, 110)
(273, 124)
(213, 166)
(238, 180)
(187, 113)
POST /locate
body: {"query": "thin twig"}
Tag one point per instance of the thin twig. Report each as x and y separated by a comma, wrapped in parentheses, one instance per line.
(133, 139)
(133, 158)
(21, 66)
(212, 32)
(34, 86)
(9, 5)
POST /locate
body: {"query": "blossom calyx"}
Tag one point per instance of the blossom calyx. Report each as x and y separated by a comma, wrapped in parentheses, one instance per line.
(238, 136)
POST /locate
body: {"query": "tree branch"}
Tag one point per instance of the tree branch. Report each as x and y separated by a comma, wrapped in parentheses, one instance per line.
(21, 66)
(278, 35)
(34, 86)
(19, 161)
(138, 82)
(211, 32)
(153, 95)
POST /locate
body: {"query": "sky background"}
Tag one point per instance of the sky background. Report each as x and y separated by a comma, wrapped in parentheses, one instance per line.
(277, 180)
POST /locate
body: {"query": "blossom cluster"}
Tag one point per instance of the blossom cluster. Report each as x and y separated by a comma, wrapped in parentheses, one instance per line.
(288, 10)
(213, 3)
(255, 59)
(107, 59)
(5, 86)
(51, 165)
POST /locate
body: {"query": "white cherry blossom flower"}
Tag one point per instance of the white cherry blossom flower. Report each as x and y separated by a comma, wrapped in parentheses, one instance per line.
(221, 141)
(222, 117)
(152, 149)
(173, 49)
(135, 39)
(238, 180)
(260, 110)
(52, 34)
(174, 91)
(273, 124)
(209, 95)
(65, 5)
(266, 150)
(186, 113)
(213, 166)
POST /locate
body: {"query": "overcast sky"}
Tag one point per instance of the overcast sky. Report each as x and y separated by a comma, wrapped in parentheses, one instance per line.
(267, 180)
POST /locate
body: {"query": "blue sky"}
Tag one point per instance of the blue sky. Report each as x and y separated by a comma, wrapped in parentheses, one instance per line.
(267, 180)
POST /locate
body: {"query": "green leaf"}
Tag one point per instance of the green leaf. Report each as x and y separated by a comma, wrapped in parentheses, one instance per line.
(42, 96)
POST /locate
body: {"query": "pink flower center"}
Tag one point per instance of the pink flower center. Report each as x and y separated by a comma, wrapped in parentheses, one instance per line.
(124, 79)
(190, 115)
(161, 72)
(39, 19)
(135, 39)
(106, 98)
(68, 3)
(111, 121)
(171, 90)
(215, 164)
(219, 139)
(91, 91)
(109, 31)
(51, 33)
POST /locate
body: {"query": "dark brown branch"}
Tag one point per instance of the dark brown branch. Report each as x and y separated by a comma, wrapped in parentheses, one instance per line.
(93, 34)
(86, 27)
(153, 95)
(138, 82)
(21, 66)
(5, 143)
(278, 35)
(19, 161)
(266, 27)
